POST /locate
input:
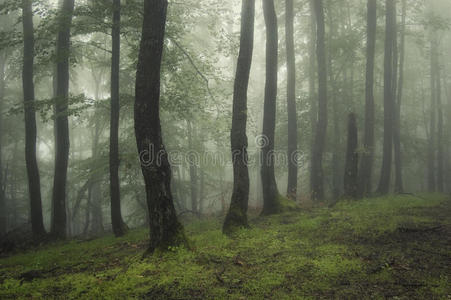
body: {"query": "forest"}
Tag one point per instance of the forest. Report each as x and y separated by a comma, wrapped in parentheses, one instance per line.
(208, 149)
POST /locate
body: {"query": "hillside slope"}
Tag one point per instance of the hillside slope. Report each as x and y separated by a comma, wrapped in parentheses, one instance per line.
(382, 247)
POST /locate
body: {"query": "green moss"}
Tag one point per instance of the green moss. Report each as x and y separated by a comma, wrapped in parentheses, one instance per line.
(355, 250)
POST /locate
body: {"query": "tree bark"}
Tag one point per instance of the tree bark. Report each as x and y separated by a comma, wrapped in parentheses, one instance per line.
(291, 102)
(440, 155)
(192, 170)
(271, 204)
(432, 127)
(399, 187)
(34, 182)
(316, 176)
(165, 229)
(119, 226)
(384, 182)
(352, 159)
(61, 120)
(366, 166)
(237, 215)
(312, 73)
(3, 211)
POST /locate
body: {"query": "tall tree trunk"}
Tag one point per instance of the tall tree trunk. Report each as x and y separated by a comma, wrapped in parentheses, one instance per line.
(237, 215)
(384, 182)
(3, 211)
(34, 182)
(192, 170)
(312, 73)
(316, 176)
(399, 188)
(165, 229)
(440, 156)
(96, 190)
(432, 127)
(352, 159)
(291, 102)
(61, 120)
(270, 192)
(119, 227)
(366, 165)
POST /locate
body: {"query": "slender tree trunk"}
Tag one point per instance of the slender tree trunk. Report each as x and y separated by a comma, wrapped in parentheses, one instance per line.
(237, 215)
(366, 166)
(384, 182)
(34, 183)
(316, 179)
(270, 192)
(61, 120)
(397, 130)
(3, 210)
(432, 127)
(201, 191)
(192, 170)
(291, 102)
(96, 190)
(165, 229)
(119, 226)
(352, 159)
(312, 74)
(440, 156)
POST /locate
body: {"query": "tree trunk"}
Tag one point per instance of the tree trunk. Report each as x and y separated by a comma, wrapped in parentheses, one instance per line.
(312, 73)
(384, 182)
(440, 156)
(316, 176)
(432, 128)
(119, 227)
(270, 192)
(352, 159)
(192, 170)
(61, 120)
(34, 183)
(366, 166)
(3, 211)
(397, 120)
(291, 102)
(96, 190)
(165, 229)
(237, 215)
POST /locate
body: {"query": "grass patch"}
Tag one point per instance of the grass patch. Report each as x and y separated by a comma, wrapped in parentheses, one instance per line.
(381, 247)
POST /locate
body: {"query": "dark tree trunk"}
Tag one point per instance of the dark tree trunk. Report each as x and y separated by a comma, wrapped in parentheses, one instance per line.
(192, 170)
(270, 192)
(291, 102)
(352, 159)
(34, 183)
(312, 73)
(440, 156)
(384, 182)
(61, 120)
(96, 189)
(399, 188)
(432, 127)
(165, 229)
(119, 226)
(3, 211)
(316, 176)
(237, 215)
(366, 166)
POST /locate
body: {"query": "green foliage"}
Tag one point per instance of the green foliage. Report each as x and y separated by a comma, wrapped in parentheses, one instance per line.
(359, 249)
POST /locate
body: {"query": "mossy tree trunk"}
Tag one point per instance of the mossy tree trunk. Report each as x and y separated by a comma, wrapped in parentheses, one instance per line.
(3, 212)
(316, 176)
(34, 182)
(291, 102)
(352, 159)
(118, 224)
(165, 229)
(237, 215)
(390, 21)
(366, 166)
(270, 191)
(61, 120)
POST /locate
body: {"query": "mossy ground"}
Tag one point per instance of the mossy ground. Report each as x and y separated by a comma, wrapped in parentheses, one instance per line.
(375, 248)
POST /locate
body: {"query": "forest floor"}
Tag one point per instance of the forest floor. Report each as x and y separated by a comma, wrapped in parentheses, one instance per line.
(393, 247)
